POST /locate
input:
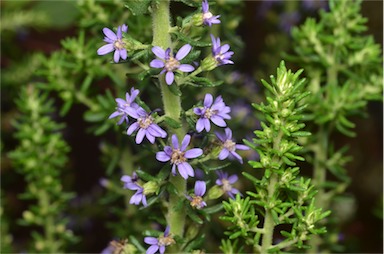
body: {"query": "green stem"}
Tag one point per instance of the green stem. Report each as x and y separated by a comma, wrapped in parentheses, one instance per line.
(269, 224)
(172, 109)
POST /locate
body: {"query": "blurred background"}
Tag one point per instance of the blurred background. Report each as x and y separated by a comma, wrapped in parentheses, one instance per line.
(33, 30)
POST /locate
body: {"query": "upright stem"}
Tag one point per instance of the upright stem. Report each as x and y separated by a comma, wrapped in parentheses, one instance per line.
(172, 109)
(269, 224)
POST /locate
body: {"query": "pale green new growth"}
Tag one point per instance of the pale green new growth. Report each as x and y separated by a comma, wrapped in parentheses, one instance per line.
(282, 197)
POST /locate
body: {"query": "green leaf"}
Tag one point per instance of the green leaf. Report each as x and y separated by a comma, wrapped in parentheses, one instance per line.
(213, 209)
(175, 90)
(193, 41)
(172, 123)
(203, 82)
(138, 7)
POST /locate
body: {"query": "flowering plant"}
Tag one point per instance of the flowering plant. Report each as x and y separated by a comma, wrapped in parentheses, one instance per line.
(197, 157)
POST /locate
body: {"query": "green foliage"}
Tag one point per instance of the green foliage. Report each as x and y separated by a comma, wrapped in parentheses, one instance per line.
(282, 197)
(40, 157)
(344, 69)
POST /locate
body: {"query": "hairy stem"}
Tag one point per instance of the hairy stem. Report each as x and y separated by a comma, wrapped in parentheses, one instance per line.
(172, 109)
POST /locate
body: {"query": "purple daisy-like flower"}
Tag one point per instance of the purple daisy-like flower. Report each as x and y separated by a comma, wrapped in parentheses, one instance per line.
(145, 124)
(229, 146)
(197, 199)
(114, 43)
(159, 244)
(216, 111)
(131, 183)
(220, 52)
(208, 17)
(122, 105)
(170, 63)
(226, 183)
(178, 156)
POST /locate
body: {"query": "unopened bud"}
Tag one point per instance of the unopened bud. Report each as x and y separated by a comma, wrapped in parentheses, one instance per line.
(215, 192)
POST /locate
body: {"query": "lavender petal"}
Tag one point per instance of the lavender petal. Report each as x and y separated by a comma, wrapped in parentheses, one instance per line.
(193, 153)
(183, 51)
(109, 33)
(108, 48)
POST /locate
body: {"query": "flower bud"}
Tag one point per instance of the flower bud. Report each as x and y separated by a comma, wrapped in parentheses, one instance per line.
(215, 192)
(150, 187)
(197, 19)
(209, 63)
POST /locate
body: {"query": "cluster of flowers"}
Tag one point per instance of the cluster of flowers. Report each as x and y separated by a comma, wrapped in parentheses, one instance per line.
(138, 119)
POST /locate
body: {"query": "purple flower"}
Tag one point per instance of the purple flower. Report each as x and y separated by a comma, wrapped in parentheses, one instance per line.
(122, 105)
(114, 43)
(178, 156)
(226, 183)
(208, 18)
(131, 183)
(197, 199)
(221, 53)
(229, 147)
(159, 244)
(216, 111)
(145, 124)
(170, 63)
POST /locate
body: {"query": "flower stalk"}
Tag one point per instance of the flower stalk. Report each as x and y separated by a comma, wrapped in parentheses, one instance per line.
(172, 109)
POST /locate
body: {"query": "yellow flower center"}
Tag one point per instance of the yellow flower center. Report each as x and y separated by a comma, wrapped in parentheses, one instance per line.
(165, 241)
(172, 64)
(209, 113)
(230, 145)
(197, 202)
(226, 185)
(118, 44)
(144, 123)
(177, 156)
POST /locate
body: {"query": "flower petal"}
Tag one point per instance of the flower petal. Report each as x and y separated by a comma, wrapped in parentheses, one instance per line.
(132, 128)
(200, 188)
(116, 56)
(114, 114)
(175, 141)
(159, 52)
(207, 124)
(140, 136)
(221, 136)
(183, 51)
(186, 68)
(156, 63)
(162, 156)
(228, 133)
(169, 77)
(185, 170)
(103, 50)
(242, 147)
(152, 249)
(232, 179)
(185, 142)
(219, 121)
(109, 33)
(150, 137)
(193, 153)
(237, 156)
(200, 125)
(223, 154)
(123, 54)
(208, 99)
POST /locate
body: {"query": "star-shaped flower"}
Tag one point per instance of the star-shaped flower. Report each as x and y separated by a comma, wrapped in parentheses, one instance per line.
(229, 146)
(114, 43)
(171, 63)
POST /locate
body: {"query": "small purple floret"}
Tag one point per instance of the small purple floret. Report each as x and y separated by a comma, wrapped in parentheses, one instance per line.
(159, 244)
(171, 63)
(220, 52)
(208, 17)
(215, 111)
(179, 155)
(131, 183)
(226, 183)
(146, 125)
(114, 43)
(229, 146)
(197, 199)
(123, 105)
